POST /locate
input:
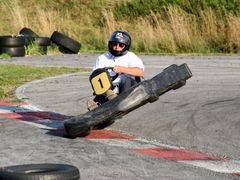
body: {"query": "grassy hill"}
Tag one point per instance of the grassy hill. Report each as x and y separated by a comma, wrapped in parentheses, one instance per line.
(166, 26)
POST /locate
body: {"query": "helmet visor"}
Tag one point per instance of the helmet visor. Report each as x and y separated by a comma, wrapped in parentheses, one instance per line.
(117, 45)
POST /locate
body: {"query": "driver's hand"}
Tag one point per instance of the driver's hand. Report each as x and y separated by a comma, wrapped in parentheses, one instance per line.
(117, 69)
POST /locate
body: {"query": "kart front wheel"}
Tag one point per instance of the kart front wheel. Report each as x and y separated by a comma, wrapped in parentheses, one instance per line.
(77, 129)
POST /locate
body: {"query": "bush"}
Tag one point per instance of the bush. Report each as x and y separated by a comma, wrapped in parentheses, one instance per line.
(133, 9)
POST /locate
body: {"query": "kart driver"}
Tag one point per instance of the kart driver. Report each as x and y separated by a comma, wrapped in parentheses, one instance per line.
(128, 66)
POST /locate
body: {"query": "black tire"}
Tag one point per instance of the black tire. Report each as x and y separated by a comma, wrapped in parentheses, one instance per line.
(42, 41)
(65, 50)
(29, 40)
(13, 51)
(42, 49)
(28, 32)
(77, 130)
(69, 45)
(40, 172)
(29, 35)
(12, 41)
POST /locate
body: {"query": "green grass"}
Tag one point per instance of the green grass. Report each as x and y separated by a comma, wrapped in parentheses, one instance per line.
(131, 9)
(33, 49)
(4, 56)
(12, 76)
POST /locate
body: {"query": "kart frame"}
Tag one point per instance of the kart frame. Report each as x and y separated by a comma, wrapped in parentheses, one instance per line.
(147, 91)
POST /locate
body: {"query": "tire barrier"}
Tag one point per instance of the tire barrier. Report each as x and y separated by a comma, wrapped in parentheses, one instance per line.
(29, 35)
(42, 50)
(15, 45)
(28, 32)
(12, 41)
(12, 45)
(40, 172)
(13, 51)
(43, 43)
(32, 37)
(65, 43)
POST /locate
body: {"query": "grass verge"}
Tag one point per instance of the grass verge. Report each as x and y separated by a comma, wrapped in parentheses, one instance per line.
(12, 76)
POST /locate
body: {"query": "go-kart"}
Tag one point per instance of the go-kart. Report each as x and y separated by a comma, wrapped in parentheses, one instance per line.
(172, 77)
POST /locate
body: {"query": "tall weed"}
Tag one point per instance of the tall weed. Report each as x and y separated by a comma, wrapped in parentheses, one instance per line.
(16, 15)
(167, 26)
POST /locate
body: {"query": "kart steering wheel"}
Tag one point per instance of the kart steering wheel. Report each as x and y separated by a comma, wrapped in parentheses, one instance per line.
(101, 80)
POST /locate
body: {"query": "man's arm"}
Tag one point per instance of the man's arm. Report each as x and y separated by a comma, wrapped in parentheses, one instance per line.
(133, 71)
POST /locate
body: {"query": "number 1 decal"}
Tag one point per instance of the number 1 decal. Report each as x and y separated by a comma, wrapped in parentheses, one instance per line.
(99, 80)
(101, 83)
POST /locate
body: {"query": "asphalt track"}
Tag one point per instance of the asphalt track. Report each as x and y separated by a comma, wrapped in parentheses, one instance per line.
(190, 133)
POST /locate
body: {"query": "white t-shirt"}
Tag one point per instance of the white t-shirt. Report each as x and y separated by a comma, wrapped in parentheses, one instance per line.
(128, 60)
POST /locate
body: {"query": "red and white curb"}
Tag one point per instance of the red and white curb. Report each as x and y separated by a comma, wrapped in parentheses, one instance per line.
(51, 121)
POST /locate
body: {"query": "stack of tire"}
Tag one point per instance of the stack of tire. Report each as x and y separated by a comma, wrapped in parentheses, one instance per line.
(31, 37)
(64, 43)
(12, 45)
(15, 45)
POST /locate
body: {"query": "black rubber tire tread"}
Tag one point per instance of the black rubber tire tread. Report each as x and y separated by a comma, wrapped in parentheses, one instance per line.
(28, 32)
(12, 41)
(43, 41)
(40, 172)
(77, 130)
(13, 51)
(65, 50)
(66, 42)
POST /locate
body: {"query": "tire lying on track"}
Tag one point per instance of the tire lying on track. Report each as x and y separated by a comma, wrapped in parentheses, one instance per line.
(65, 43)
(12, 41)
(40, 172)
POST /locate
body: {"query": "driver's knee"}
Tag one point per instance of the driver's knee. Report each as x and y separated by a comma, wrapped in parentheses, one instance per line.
(126, 82)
